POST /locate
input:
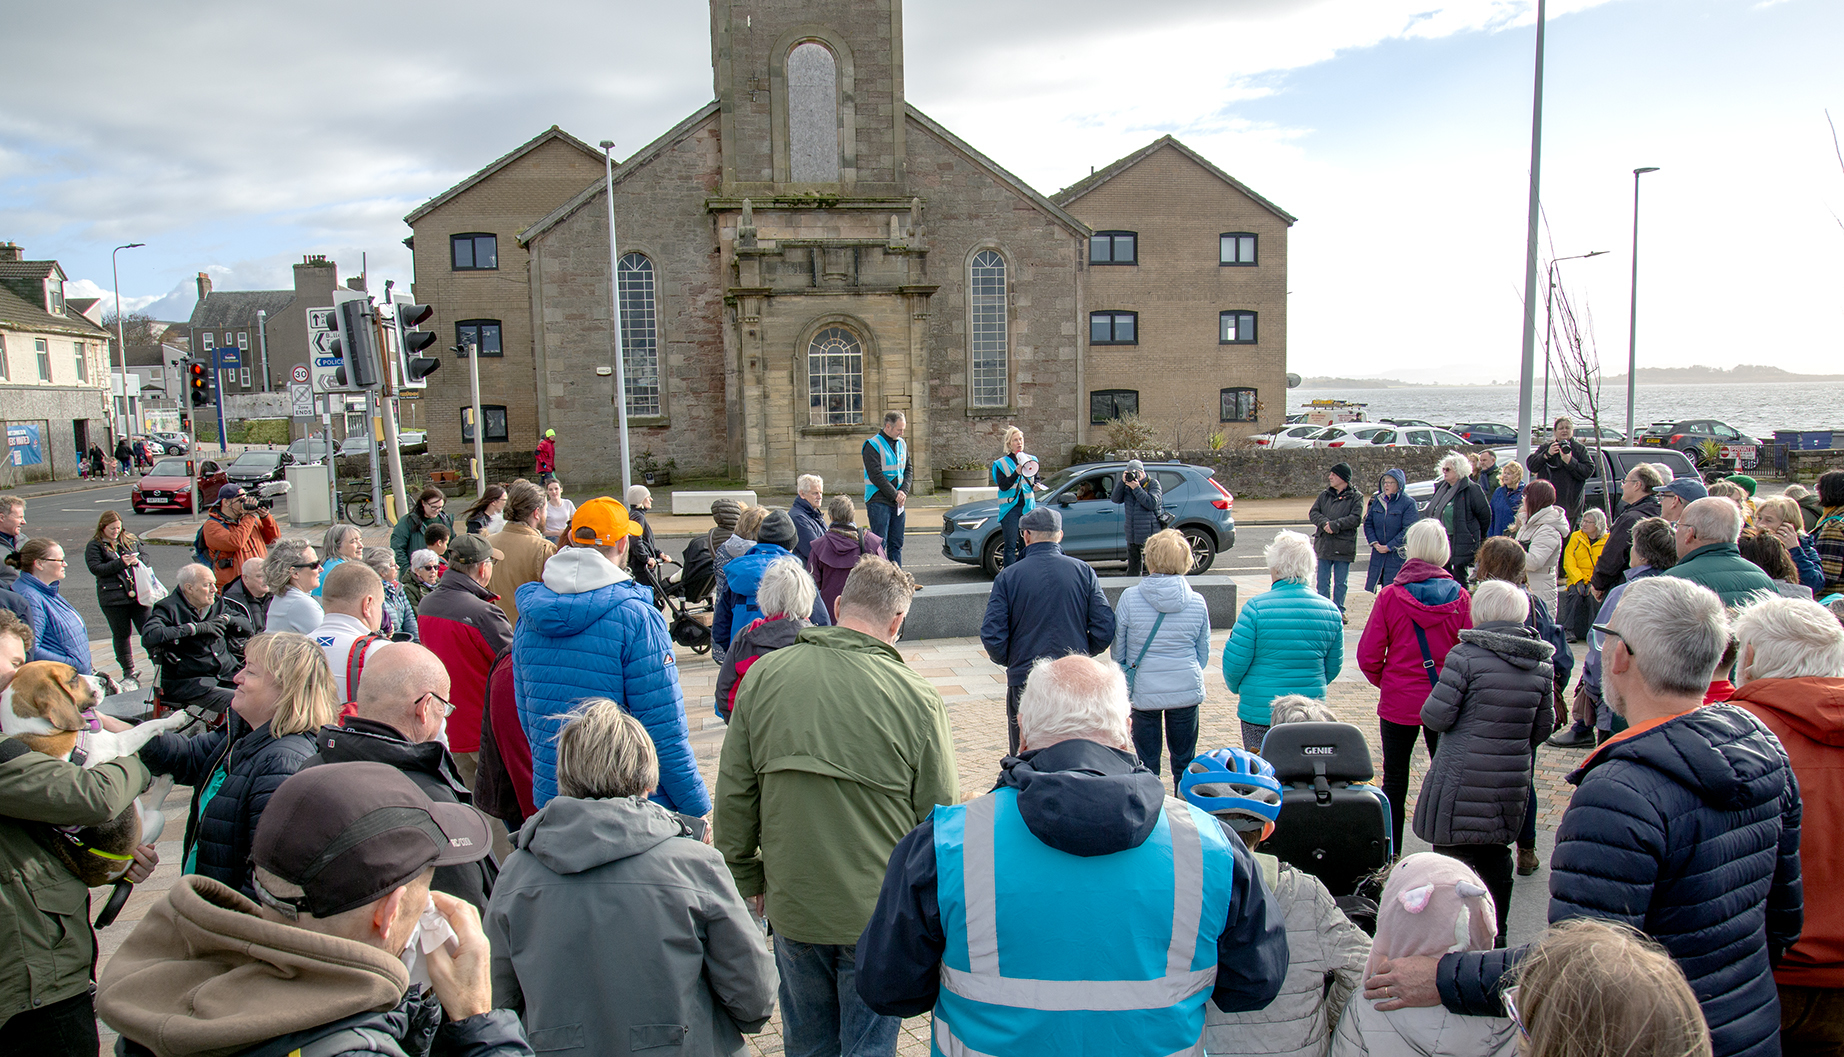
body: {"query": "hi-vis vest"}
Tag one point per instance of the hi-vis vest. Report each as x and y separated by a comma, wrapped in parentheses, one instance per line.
(895, 455)
(1020, 493)
(1050, 953)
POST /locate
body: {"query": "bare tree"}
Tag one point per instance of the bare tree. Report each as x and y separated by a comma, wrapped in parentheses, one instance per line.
(1578, 366)
(138, 328)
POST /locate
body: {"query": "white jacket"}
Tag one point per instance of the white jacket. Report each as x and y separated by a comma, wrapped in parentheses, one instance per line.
(1323, 946)
(1543, 536)
(1425, 1032)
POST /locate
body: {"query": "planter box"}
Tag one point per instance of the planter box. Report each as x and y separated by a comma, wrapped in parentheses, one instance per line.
(964, 478)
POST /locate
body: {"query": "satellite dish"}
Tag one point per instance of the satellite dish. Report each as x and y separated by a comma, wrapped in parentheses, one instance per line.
(1293, 380)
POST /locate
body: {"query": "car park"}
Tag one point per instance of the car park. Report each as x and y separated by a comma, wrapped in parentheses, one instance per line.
(1289, 437)
(1616, 463)
(1690, 435)
(1094, 526)
(1350, 435)
(258, 465)
(167, 487)
(1486, 432)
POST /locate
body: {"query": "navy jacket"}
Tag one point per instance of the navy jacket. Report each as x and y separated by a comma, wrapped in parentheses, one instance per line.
(808, 524)
(1689, 832)
(1387, 520)
(1082, 798)
(1045, 604)
(1141, 507)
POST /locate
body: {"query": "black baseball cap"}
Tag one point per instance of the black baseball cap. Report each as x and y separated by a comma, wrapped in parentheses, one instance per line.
(349, 833)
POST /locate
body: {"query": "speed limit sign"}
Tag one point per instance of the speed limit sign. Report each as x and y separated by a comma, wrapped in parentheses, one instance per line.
(299, 374)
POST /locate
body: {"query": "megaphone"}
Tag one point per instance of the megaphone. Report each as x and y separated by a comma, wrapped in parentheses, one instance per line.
(1027, 464)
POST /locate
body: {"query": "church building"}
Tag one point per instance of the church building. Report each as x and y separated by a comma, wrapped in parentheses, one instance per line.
(810, 251)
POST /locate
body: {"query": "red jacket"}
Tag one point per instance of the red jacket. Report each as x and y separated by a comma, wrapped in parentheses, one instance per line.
(1423, 595)
(232, 543)
(458, 621)
(547, 455)
(1807, 715)
(511, 754)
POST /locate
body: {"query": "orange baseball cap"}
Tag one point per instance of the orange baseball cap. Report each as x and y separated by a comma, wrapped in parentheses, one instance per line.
(603, 522)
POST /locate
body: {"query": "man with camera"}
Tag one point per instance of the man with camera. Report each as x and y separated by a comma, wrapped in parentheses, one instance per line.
(195, 641)
(1565, 463)
(239, 527)
(1139, 493)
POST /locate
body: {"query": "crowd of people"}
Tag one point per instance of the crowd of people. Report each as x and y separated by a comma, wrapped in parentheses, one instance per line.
(459, 811)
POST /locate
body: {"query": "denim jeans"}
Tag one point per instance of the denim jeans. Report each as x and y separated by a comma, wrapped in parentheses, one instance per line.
(1332, 577)
(1176, 727)
(821, 1013)
(888, 524)
(1011, 546)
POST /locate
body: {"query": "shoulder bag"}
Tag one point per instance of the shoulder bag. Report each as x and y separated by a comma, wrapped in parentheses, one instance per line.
(1133, 669)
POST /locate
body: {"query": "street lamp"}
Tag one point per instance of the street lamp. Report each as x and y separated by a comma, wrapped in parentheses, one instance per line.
(1549, 320)
(614, 316)
(1632, 315)
(121, 345)
(1527, 361)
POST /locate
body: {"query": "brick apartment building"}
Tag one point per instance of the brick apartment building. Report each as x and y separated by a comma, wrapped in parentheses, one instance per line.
(809, 250)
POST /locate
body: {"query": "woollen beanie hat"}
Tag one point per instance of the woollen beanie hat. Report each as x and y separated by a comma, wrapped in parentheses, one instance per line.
(1747, 483)
(1136, 466)
(1342, 471)
(778, 529)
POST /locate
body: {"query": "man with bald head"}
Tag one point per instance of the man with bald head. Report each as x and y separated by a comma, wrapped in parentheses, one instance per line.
(190, 634)
(402, 710)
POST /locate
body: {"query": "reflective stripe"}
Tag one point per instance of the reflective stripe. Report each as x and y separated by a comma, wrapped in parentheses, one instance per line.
(949, 1045)
(1106, 996)
(1187, 887)
(979, 880)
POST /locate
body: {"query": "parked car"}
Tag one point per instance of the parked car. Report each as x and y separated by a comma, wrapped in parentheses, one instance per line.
(168, 486)
(176, 443)
(1486, 432)
(408, 442)
(257, 466)
(1289, 437)
(1094, 526)
(1616, 463)
(1689, 436)
(1407, 422)
(1423, 437)
(1349, 435)
(310, 450)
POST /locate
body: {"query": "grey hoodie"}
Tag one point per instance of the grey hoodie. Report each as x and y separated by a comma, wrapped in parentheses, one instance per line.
(613, 932)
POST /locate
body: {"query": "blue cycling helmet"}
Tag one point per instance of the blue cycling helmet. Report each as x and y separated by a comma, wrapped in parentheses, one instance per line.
(1237, 786)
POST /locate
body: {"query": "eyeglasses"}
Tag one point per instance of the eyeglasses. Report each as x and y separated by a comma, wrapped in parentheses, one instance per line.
(309, 565)
(1509, 997)
(54, 561)
(448, 707)
(1605, 630)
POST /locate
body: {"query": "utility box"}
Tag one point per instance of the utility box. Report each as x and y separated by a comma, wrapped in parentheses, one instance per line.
(308, 501)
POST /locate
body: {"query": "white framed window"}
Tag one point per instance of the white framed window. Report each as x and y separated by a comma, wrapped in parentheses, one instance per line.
(43, 348)
(243, 342)
(207, 341)
(989, 341)
(54, 295)
(639, 335)
(82, 360)
(243, 377)
(5, 374)
(835, 378)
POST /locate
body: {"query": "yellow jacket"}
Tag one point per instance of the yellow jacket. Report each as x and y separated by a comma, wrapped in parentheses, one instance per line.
(1579, 557)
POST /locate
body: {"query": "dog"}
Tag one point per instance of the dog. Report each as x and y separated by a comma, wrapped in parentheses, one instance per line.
(46, 708)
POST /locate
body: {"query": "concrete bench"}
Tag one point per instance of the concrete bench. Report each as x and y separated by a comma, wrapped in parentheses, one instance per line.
(957, 496)
(684, 503)
(948, 611)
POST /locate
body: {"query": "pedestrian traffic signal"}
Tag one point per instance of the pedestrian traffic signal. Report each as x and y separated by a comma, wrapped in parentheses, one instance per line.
(356, 345)
(198, 380)
(415, 367)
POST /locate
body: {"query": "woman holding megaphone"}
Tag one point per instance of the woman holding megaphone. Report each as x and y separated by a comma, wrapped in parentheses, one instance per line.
(1015, 475)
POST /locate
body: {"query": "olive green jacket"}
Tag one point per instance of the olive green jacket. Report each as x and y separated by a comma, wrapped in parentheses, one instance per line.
(836, 750)
(45, 942)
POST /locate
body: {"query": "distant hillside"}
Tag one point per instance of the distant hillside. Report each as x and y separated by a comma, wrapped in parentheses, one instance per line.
(1742, 373)
(1350, 383)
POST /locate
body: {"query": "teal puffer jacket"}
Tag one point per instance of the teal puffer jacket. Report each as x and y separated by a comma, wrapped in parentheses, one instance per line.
(1287, 641)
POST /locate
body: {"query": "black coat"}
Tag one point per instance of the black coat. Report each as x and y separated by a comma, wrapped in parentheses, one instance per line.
(1141, 506)
(1471, 522)
(255, 765)
(1568, 477)
(1688, 832)
(1616, 554)
(114, 582)
(1495, 702)
(254, 611)
(193, 649)
(1344, 511)
(427, 764)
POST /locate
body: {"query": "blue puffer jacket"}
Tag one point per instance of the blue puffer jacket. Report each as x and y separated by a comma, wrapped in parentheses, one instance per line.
(1172, 673)
(1688, 832)
(1505, 504)
(1289, 640)
(736, 598)
(1387, 521)
(588, 630)
(57, 627)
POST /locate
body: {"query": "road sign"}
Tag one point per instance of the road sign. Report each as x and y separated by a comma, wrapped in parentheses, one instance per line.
(298, 374)
(228, 358)
(320, 359)
(301, 395)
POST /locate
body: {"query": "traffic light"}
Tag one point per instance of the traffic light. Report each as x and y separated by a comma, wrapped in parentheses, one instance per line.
(198, 379)
(356, 345)
(415, 367)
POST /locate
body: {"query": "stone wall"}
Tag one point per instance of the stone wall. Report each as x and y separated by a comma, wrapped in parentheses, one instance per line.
(1299, 473)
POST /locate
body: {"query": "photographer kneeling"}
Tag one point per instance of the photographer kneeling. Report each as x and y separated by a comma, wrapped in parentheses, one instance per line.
(238, 528)
(196, 642)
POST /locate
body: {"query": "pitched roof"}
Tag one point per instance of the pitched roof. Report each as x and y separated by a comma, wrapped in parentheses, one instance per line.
(18, 313)
(1054, 209)
(1096, 179)
(640, 158)
(27, 278)
(238, 308)
(549, 134)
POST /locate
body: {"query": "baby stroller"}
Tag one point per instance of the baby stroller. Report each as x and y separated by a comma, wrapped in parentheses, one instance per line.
(688, 600)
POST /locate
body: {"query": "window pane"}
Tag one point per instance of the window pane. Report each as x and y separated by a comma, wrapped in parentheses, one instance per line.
(487, 337)
(1245, 326)
(1100, 328)
(1124, 249)
(835, 378)
(989, 339)
(1248, 249)
(1124, 327)
(639, 335)
(1100, 249)
(486, 251)
(464, 253)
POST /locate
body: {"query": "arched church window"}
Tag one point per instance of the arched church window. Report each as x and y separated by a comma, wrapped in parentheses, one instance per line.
(988, 340)
(835, 378)
(813, 114)
(639, 335)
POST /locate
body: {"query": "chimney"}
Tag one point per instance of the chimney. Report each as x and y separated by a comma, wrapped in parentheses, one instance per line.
(357, 282)
(204, 286)
(11, 251)
(315, 275)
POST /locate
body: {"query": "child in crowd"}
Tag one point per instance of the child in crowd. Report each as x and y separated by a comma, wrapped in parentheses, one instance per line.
(1325, 950)
(1592, 988)
(1432, 905)
(435, 537)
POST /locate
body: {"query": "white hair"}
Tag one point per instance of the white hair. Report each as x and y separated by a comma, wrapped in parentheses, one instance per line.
(1500, 600)
(809, 484)
(1676, 631)
(636, 494)
(786, 590)
(1458, 463)
(1664, 472)
(1298, 708)
(1792, 639)
(424, 558)
(1290, 557)
(1073, 697)
(1427, 540)
(193, 573)
(1596, 518)
(1714, 519)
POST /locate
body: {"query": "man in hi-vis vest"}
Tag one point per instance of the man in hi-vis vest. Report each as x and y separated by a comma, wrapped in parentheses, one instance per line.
(1075, 909)
(887, 470)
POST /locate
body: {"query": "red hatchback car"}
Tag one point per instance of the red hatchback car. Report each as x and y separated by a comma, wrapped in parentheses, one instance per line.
(168, 486)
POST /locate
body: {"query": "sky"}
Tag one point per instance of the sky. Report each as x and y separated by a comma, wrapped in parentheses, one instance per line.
(234, 138)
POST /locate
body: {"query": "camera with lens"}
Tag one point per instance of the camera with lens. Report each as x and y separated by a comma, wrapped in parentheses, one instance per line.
(266, 494)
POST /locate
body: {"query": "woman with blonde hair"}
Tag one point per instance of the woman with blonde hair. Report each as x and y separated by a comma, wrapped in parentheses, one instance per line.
(284, 696)
(1014, 474)
(342, 543)
(1780, 517)
(1162, 639)
(1507, 498)
(112, 555)
(1594, 988)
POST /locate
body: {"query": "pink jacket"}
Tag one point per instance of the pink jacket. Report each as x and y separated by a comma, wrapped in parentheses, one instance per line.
(1388, 651)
